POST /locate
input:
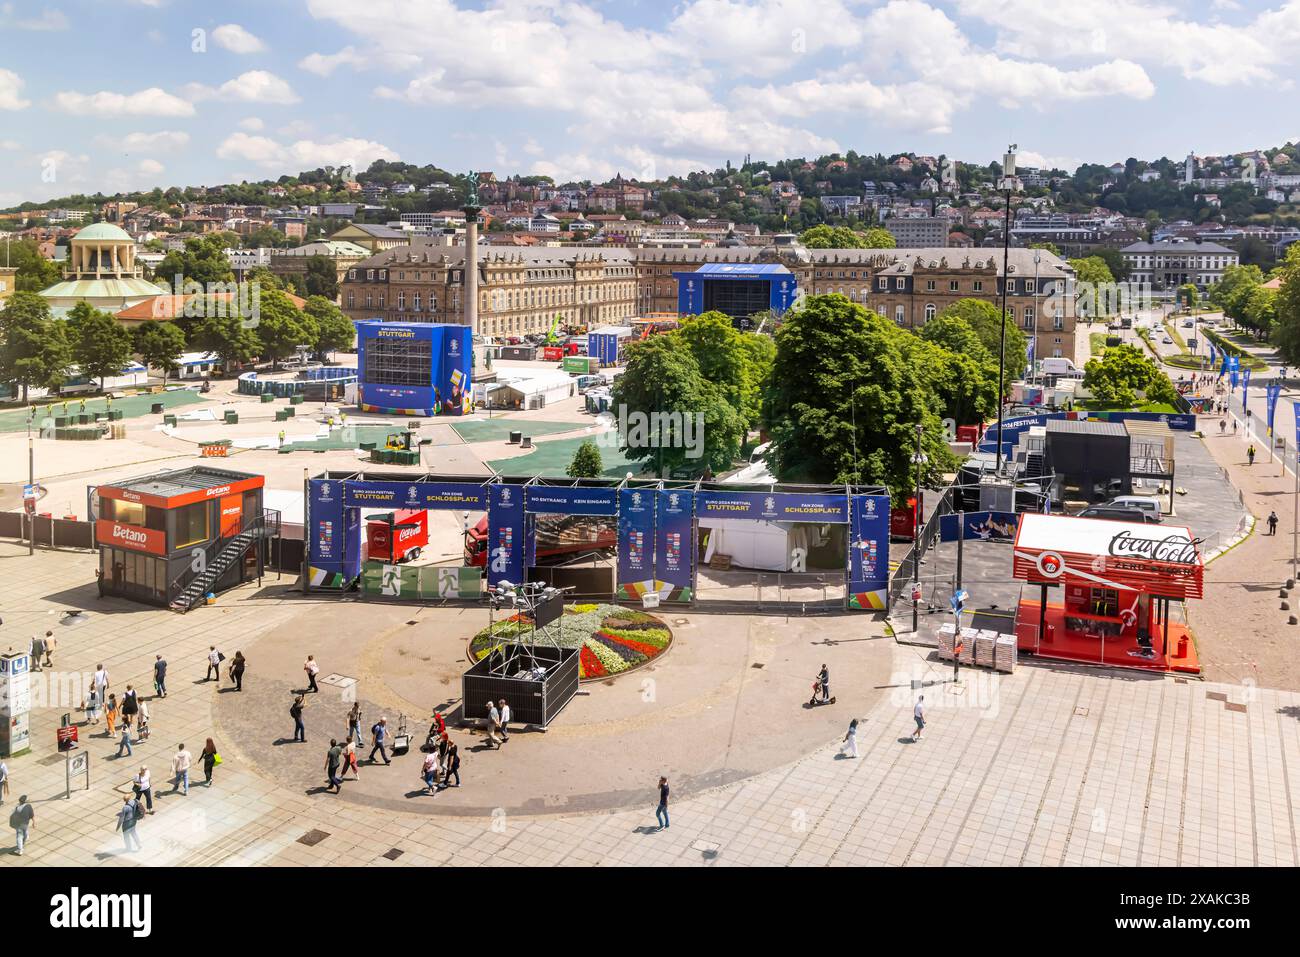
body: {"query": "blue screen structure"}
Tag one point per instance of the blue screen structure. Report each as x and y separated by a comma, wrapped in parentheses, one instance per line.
(414, 368)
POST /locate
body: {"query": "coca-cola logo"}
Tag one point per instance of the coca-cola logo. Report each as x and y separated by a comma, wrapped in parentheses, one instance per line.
(1172, 549)
(404, 533)
(1050, 564)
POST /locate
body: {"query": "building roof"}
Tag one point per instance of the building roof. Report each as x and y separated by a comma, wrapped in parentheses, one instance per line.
(180, 481)
(168, 306)
(338, 248)
(1085, 427)
(1167, 246)
(103, 232)
(129, 287)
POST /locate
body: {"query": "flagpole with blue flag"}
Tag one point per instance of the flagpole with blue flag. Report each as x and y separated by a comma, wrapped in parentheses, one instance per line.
(1295, 521)
(1245, 390)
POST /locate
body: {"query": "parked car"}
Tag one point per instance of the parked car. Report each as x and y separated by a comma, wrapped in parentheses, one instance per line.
(1144, 503)
(1113, 514)
(1167, 341)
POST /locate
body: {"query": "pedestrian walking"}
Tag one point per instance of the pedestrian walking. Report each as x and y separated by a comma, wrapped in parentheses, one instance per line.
(215, 658)
(142, 723)
(111, 715)
(1223, 426)
(125, 741)
(350, 757)
(1250, 454)
(429, 771)
(354, 722)
(160, 676)
(311, 668)
(127, 817)
(92, 704)
(181, 761)
(37, 651)
(295, 712)
(4, 781)
(333, 759)
(237, 670)
(380, 736)
(493, 722)
(142, 787)
(1272, 523)
(849, 745)
(957, 650)
(130, 705)
(50, 645)
(101, 682)
(210, 760)
(22, 819)
(505, 720)
(451, 765)
(661, 812)
(918, 715)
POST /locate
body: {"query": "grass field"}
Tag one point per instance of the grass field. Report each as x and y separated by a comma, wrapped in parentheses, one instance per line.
(131, 407)
(550, 459)
(499, 429)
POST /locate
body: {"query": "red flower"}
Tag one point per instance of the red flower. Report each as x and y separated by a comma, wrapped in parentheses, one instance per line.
(591, 666)
(648, 650)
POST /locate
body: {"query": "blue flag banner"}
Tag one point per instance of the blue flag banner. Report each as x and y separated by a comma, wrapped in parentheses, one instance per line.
(1271, 393)
(1295, 411)
(1213, 355)
(1245, 388)
(1234, 368)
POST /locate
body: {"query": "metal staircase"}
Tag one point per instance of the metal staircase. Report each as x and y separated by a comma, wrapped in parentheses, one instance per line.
(219, 557)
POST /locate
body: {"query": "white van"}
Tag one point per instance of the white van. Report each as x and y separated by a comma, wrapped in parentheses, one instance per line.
(1058, 366)
(1143, 503)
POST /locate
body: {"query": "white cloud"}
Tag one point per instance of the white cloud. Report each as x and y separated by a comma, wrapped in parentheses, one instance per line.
(151, 102)
(252, 124)
(303, 154)
(236, 39)
(161, 141)
(11, 87)
(323, 64)
(1034, 160)
(10, 145)
(255, 86)
(47, 21)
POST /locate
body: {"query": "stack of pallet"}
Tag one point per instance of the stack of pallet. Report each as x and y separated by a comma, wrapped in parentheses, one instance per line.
(984, 643)
(1004, 653)
(947, 634)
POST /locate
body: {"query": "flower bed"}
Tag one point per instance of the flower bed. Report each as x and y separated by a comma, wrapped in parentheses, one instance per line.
(611, 640)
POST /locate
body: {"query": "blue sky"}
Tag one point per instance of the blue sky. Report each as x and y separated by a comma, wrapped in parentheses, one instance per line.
(123, 94)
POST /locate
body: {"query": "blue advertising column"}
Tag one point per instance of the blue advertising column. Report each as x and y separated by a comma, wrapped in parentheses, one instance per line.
(636, 529)
(334, 538)
(675, 545)
(506, 532)
(869, 552)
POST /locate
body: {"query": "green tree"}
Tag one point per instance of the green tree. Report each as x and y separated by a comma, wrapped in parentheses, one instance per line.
(282, 327)
(33, 347)
(662, 377)
(322, 278)
(586, 462)
(1232, 292)
(844, 401)
(1286, 332)
(229, 337)
(983, 318)
(159, 344)
(101, 346)
(1123, 371)
(35, 272)
(1189, 294)
(334, 330)
(1093, 278)
(203, 260)
(842, 237)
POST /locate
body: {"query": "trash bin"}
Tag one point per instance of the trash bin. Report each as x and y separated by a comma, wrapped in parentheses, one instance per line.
(156, 408)
(295, 400)
(268, 397)
(232, 417)
(169, 420)
(526, 442)
(515, 437)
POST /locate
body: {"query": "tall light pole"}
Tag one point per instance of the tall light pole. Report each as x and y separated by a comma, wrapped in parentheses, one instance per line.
(1008, 186)
(1033, 329)
(919, 459)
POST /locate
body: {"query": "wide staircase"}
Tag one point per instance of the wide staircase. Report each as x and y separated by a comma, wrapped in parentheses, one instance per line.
(219, 557)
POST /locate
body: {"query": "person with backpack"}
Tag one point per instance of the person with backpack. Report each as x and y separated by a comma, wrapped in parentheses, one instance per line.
(1250, 454)
(22, 819)
(127, 817)
(1272, 523)
(130, 705)
(295, 712)
(380, 734)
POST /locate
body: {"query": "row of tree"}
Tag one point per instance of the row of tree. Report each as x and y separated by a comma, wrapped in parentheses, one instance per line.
(839, 389)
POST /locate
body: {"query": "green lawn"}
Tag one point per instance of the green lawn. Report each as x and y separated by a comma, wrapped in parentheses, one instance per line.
(500, 427)
(550, 459)
(132, 407)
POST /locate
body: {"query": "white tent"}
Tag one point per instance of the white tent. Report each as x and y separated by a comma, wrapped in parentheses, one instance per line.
(751, 544)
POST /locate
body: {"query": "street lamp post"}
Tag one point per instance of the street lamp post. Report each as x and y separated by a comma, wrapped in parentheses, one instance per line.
(1033, 328)
(1007, 187)
(919, 459)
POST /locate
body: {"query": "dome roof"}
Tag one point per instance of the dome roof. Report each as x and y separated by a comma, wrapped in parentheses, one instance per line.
(103, 232)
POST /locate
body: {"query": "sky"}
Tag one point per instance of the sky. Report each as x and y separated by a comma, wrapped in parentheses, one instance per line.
(109, 95)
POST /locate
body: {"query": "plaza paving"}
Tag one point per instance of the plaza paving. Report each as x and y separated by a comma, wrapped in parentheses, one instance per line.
(1050, 766)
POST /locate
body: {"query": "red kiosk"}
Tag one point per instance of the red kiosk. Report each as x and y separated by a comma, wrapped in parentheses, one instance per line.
(1118, 581)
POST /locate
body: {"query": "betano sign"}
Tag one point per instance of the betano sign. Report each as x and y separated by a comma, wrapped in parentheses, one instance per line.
(109, 532)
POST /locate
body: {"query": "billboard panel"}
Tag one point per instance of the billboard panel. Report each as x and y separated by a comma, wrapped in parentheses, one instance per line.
(869, 552)
(636, 529)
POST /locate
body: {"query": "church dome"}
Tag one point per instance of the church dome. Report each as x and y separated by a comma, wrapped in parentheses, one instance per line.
(103, 233)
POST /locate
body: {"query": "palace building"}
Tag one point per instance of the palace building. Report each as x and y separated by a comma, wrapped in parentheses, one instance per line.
(101, 270)
(521, 290)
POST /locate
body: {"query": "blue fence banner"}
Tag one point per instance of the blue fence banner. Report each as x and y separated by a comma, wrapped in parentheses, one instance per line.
(772, 506)
(869, 552)
(506, 532)
(674, 544)
(1271, 392)
(334, 539)
(979, 526)
(467, 496)
(567, 500)
(636, 546)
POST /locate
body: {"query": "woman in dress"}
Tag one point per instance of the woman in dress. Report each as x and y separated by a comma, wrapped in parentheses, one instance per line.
(850, 744)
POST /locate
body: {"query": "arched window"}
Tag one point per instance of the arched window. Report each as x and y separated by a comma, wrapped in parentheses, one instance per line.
(929, 311)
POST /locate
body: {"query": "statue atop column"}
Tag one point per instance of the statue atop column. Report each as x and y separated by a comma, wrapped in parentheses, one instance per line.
(472, 202)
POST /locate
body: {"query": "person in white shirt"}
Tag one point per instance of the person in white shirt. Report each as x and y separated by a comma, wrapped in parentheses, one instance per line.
(311, 668)
(430, 771)
(143, 787)
(142, 722)
(505, 720)
(181, 770)
(214, 664)
(101, 682)
(919, 714)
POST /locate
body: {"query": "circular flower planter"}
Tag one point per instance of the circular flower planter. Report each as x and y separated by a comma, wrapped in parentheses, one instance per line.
(611, 640)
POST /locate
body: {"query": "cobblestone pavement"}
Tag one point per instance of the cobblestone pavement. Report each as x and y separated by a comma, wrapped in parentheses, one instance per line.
(1049, 766)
